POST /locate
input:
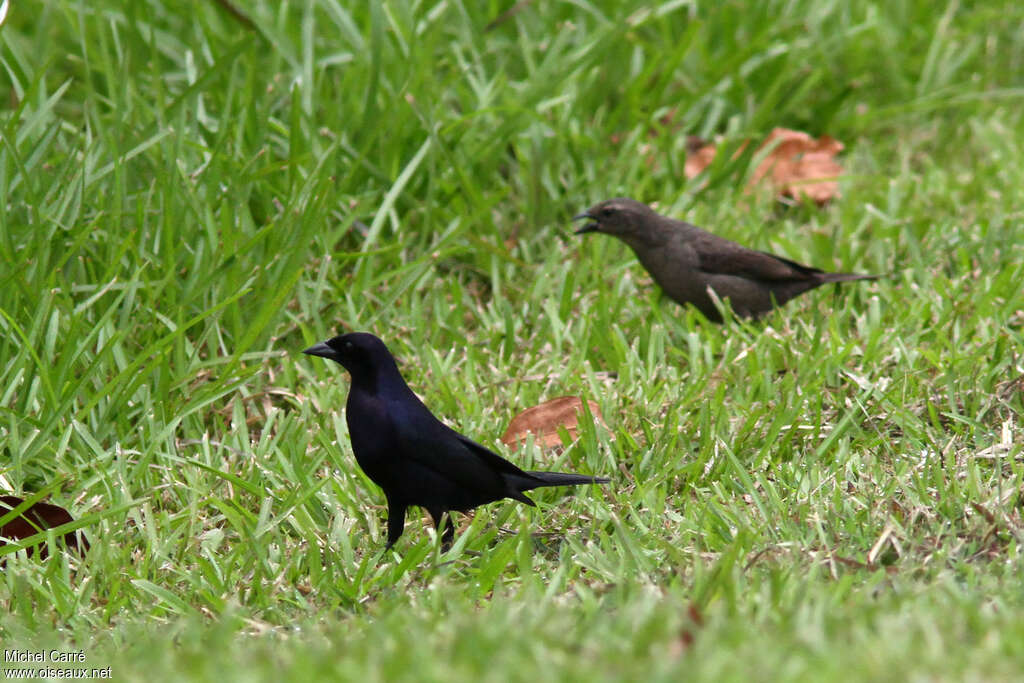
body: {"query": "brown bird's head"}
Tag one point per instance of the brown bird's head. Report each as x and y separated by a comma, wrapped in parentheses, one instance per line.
(621, 217)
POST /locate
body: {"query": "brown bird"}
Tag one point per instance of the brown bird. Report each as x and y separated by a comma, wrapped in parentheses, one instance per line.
(688, 262)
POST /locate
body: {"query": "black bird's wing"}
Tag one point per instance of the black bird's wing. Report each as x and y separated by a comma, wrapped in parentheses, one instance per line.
(493, 459)
(476, 471)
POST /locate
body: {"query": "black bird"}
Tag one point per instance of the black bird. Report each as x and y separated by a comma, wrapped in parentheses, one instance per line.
(687, 261)
(413, 456)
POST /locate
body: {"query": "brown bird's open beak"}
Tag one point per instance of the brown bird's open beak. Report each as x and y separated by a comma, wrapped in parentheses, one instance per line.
(589, 227)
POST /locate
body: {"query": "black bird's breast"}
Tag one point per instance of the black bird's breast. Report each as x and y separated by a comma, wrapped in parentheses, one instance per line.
(375, 441)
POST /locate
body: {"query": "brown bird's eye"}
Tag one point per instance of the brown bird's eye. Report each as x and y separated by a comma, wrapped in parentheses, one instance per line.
(606, 212)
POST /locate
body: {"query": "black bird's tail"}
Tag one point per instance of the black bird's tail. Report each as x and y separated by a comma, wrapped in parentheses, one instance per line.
(565, 479)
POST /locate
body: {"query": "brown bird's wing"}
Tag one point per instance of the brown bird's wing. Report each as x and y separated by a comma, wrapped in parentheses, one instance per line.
(722, 257)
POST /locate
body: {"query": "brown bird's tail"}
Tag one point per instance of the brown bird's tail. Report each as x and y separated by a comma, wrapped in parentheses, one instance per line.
(565, 479)
(847, 277)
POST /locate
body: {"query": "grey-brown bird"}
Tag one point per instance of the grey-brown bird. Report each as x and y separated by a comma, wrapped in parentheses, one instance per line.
(687, 262)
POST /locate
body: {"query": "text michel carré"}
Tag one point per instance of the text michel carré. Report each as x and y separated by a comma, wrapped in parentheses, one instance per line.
(42, 656)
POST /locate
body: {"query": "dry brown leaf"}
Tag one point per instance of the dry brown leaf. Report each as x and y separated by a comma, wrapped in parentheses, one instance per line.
(688, 633)
(699, 156)
(544, 420)
(802, 166)
(798, 165)
(37, 517)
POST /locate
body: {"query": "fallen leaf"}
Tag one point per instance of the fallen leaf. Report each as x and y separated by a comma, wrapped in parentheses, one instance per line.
(699, 156)
(37, 517)
(687, 634)
(801, 166)
(544, 420)
(798, 165)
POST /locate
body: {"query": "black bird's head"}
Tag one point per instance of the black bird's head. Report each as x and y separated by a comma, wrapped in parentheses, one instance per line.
(624, 218)
(361, 353)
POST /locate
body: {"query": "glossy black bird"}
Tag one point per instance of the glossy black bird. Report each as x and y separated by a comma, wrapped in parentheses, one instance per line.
(413, 456)
(686, 261)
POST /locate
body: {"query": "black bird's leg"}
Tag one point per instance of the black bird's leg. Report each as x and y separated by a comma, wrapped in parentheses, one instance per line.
(448, 534)
(396, 522)
(445, 528)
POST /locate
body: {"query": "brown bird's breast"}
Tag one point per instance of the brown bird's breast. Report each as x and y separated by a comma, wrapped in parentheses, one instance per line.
(674, 266)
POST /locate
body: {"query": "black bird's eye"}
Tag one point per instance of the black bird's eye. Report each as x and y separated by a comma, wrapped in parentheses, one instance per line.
(606, 212)
(349, 346)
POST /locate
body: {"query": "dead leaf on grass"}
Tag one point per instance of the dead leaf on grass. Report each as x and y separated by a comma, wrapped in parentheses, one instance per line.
(798, 165)
(544, 420)
(37, 517)
(688, 632)
(699, 155)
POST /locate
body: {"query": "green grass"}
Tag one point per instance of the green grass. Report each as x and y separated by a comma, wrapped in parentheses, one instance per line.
(832, 493)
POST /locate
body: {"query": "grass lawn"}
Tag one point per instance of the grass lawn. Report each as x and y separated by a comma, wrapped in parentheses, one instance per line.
(187, 201)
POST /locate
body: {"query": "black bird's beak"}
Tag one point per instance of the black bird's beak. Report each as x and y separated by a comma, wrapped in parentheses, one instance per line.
(589, 227)
(321, 349)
